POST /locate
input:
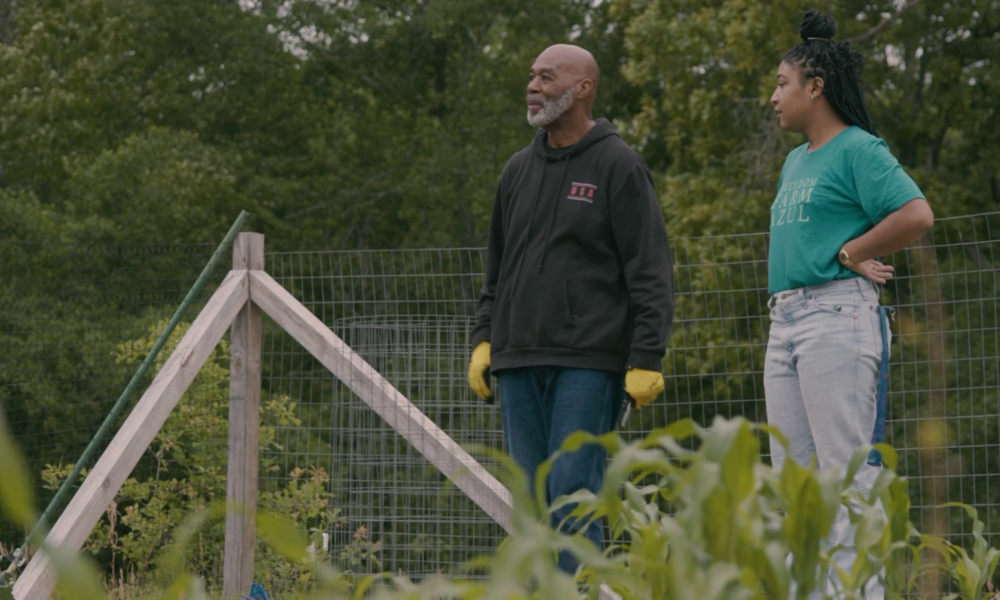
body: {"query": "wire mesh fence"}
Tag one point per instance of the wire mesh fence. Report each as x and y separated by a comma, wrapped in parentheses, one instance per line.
(71, 317)
(409, 314)
(75, 323)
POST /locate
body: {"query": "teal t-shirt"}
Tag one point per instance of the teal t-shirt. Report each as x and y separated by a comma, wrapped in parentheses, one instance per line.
(827, 198)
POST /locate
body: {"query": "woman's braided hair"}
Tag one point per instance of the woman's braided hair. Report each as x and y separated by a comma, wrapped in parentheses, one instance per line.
(840, 66)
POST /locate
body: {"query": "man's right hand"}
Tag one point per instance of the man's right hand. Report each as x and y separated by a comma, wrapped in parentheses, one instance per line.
(478, 371)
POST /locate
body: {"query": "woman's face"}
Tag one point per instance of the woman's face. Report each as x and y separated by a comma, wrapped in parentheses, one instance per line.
(794, 99)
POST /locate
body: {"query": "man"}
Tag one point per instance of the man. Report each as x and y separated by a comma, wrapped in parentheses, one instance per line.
(577, 302)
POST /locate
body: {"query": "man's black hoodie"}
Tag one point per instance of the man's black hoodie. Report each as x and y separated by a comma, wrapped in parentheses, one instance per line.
(578, 271)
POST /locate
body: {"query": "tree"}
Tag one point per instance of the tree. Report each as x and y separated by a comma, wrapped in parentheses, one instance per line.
(932, 74)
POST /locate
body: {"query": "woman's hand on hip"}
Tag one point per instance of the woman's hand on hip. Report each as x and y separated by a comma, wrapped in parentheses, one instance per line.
(873, 270)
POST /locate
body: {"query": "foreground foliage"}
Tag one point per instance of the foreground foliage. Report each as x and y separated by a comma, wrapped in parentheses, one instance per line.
(694, 513)
(718, 523)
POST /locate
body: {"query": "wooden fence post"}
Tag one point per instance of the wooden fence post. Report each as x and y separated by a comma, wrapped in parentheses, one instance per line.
(244, 424)
(140, 428)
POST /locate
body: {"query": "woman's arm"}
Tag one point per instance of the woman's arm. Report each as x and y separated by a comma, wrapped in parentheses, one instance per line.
(897, 231)
(901, 228)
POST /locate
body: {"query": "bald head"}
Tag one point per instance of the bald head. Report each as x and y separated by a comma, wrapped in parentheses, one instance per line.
(571, 59)
(562, 85)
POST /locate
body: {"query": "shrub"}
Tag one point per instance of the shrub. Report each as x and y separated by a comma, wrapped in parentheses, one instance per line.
(189, 457)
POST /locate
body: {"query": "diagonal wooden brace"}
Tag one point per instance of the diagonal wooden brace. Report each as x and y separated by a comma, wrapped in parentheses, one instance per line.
(135, 435)
(401, 414)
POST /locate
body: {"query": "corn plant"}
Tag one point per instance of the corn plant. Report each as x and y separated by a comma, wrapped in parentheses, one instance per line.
(696, 513)
(693, 513)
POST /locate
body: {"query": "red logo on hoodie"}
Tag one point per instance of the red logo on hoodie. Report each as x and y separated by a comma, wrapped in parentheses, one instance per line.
(582, 191)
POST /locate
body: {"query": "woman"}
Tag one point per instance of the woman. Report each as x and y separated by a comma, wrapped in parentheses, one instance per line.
(842, 201)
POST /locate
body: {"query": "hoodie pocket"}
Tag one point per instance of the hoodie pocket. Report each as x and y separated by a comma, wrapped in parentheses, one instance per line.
(540, 316)
(602, 313)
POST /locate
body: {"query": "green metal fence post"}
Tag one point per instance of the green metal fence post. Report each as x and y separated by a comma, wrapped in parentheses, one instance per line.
(130, 388)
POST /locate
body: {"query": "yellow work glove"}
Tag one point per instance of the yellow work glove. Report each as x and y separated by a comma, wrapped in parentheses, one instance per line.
(643, 385)
(479, 371)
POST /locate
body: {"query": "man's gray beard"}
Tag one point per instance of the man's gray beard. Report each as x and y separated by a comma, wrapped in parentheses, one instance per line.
(552, 109)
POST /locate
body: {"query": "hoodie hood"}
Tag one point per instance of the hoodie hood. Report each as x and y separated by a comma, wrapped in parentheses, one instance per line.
(601, 129)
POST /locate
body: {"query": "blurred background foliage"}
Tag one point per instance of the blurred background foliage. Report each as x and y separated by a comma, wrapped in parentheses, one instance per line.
(385, 124)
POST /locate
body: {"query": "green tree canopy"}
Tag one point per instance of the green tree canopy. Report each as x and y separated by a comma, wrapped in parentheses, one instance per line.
(386, 124)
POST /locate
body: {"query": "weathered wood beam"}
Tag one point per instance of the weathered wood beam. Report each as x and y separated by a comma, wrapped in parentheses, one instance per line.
(123, 453)
(244, 427)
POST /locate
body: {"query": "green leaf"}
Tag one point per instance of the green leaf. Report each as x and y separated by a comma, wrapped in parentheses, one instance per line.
(858, 457)
(577, 440)
(579, 496)
(776, 572)
(968, 574)
(719, 438)
(77, 577)
(889, 456)
(172, 563)
(541, 482)
(738, 464)
(362, 586)
(969, 509)
(17, 496)
(634, 497)
(939, 545)
(774, 432)
(678, 430)
(283, 535)
(178, 588)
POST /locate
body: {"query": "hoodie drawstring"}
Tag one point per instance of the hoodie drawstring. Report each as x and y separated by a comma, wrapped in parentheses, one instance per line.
(552, 217)
(527, 238)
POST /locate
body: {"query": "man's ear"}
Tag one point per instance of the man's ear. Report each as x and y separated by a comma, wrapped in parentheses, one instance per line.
(585, 87)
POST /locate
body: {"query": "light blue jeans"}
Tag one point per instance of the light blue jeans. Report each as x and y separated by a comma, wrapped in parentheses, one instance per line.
(820, 377)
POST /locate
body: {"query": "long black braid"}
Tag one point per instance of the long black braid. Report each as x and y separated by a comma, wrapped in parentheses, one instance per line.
(840, 66)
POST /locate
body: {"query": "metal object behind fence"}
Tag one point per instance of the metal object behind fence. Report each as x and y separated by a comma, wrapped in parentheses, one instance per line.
(409, 314)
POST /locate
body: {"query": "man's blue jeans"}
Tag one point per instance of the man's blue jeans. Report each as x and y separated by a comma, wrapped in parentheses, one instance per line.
(541, 407)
